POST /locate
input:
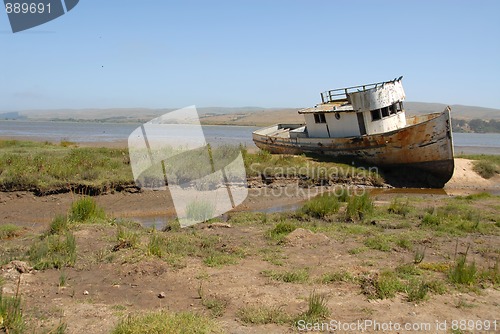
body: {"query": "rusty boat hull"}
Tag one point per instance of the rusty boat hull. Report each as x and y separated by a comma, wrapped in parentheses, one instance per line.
(424, 146)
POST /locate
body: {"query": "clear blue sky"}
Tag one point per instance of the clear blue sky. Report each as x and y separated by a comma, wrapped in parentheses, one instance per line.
(159, 54)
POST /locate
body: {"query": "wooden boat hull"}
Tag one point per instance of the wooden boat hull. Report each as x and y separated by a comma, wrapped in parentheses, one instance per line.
(425, 145)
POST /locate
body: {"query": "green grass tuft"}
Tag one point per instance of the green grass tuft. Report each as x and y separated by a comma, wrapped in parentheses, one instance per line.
(53, 251)
(399, 207)
(281, 230)
(463, 272)
(317, 309)
(293, 276)
(11, 315)
(200, 211)
(321, 206)
(8, 231)
(359, 207)
(160, 322)
(261, 315)
(86, 209)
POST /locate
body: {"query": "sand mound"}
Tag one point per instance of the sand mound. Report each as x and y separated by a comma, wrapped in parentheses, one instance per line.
(464, 177)
(305, 238)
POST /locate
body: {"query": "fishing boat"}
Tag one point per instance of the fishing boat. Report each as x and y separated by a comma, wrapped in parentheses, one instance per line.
(368, 123)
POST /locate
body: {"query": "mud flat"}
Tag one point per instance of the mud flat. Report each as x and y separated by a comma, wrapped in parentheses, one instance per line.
(251, 271)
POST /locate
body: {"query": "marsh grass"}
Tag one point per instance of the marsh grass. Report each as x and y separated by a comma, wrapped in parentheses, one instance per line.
(380, 242)
(126, 238)
(359, 207)
(261, 315)
(292, 276)
(53, 251)
(174, 247)
(417, 290)
(46, 167)
(317, 308)
(11, 314)
(200, 210)
(321, 206)
(463, 272)
(165, 322)
(59, 225)
(8, 231)
(487, 169)
(458, 218)
(400, 206)
(85, 209)
(337, 276)
(281, 230)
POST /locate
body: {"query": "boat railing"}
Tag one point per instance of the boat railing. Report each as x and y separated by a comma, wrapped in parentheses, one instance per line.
(341, 94)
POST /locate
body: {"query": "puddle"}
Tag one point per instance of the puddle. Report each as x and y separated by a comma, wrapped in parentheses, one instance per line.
(280, 208)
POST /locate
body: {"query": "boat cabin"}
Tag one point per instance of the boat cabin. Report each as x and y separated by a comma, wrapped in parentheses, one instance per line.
(357, 111)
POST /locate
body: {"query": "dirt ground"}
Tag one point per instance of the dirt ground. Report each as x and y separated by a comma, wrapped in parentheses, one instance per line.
(97, 293)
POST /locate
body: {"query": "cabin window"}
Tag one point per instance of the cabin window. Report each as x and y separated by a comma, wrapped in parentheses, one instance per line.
(393, 109)
(399, 106)
(375, 114)
(385, 112)
(319, 118)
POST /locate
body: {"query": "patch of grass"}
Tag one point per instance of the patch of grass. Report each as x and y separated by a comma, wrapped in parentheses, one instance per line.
(457, 218)
(215, 305)
(437, 286)
(219, 259)
(404, 242)
(274, 256)
(53, 251)
(8, 231)
(400, 207)
(261, 315)
(337, 276)
(281, 230)
(359, 207)
(321, 206)
(491, 275)
(85, 209)
(60, 329)
(441, 267)
(126, 238)
(63, 278)
(463, 272)
(388, 284)
(11, 315)
(174, 247)
(317, 308)
(408, 270)
(156, 244)
(487, 169)
(45, 167)
(431, 219)
(159, 322)
(200, 210)
(383, 285)
(380, 242)
(59, 225)
(357, 250)
(293, 276)
(417, 290)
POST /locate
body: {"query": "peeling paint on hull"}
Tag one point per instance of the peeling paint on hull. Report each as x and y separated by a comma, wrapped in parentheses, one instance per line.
(425, 144)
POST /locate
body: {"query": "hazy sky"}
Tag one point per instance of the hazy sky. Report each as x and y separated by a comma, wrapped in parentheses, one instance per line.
(158, 54)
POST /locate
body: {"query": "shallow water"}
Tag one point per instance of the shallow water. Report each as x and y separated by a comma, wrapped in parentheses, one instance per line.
(92, 132)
